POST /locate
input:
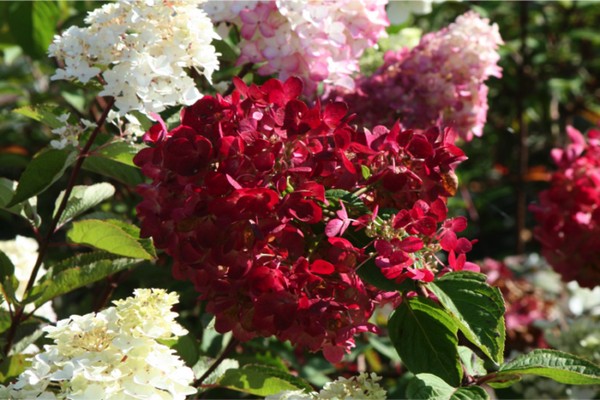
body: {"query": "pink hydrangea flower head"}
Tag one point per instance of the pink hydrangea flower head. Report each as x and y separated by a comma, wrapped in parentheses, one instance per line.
(441, 81)
(318, 41)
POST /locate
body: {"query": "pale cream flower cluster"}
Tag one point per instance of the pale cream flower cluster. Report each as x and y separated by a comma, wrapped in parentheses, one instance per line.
(68, 135)
(23, 252)
(143, 49)
(361, 387)
(113, 354)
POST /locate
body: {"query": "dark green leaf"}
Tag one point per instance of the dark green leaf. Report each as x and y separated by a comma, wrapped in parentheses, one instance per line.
(77, 272)
(7, 268)
(187, 348)
(108, 236)
(9, 289)
(431, 387)
(5, 320)
(26, 209)
(83, 198)
(560, 366)
(32, 25)
(260, 380)
(477, 309)
(426, 339)
(45, 169)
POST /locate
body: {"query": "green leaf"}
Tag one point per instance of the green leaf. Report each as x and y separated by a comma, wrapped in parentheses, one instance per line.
(260, 380)
(7, 268)
(32, 25)
(187, 348)
(5, 320)
(431, 387)
(9, 286)
(476, 307)
(426, 339)
(335, 195)
(12, 366)
(113, 169)
(47, 114)
(503, 381)
(83, 198)
(557, 365)
(26, 209)
(45, 169)
(108, 236)
(119, 151)
(204, 363)
(77, 272)
(135, 232)
(473, 365)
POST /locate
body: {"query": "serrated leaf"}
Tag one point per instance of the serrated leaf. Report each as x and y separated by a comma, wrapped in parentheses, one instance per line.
(119, 151)
(262, 381)
(107, 236)
(431, 387)
(45, 169)
(113, 169)
(426, 339)
(135, 232)
(83, 198)
(77, 272)
(47, 114)
(32, 25)
(477, 309)
(557, 365)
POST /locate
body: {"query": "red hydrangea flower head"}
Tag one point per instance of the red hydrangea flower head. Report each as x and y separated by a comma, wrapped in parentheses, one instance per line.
(568, 213)
(238, 197)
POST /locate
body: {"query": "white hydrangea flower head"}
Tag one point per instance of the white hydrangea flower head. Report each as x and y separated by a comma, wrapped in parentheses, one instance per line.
(23, 252)
(107, 355)
(363, 386)
(292, 395)
(143, 49)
